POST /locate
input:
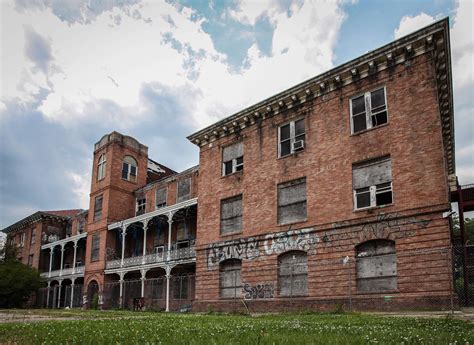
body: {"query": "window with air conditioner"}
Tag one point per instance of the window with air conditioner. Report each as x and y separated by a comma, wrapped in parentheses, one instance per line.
(291, 138)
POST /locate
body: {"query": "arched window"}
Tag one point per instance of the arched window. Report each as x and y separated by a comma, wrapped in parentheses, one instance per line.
(101, 167)
(129, 169)
(229, 279)
(293, 273)
(376, 266)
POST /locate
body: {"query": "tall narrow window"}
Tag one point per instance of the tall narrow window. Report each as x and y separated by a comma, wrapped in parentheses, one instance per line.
(369, 110)
(184, 189)
(182, 231)
(372, 183)
(95, 248)
(22, 240)
(291, 138)
(229, 280)
(293, 273)
(98, 207)
(101, 167)
(30, 260)
(33, 236)
(231, 215)
(161, 194)
(80, 226)
(233, 158)
(376, 266)
(141, 205)
(129, 169)
(292, 201)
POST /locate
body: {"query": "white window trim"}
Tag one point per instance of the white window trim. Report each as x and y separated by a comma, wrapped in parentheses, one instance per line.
(166, 196)
(22, 240)
(137, 205)
(101, 167)
(292, 136)
(368, 108)
(234, 166)
(373, 198)
(129, 170)
(177, 188)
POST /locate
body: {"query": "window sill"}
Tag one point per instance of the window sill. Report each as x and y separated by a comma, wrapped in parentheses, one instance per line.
(240, 172)
(369, 129)
(293, 223)
(294, 154)
(373, 208)
(385, 292)
(123, 179)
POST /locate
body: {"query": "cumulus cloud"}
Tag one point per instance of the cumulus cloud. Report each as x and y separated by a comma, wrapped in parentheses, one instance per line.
(462, 52)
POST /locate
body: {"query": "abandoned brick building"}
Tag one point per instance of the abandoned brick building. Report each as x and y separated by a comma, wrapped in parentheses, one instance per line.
(331, 192)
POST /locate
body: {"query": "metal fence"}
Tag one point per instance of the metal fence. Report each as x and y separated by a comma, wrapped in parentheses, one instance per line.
(69, 297)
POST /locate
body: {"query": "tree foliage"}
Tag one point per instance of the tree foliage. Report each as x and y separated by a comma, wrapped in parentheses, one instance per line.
(17, 281)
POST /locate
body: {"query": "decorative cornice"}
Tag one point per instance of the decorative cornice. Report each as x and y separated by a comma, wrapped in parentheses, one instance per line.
(431, 39)
(35, 217)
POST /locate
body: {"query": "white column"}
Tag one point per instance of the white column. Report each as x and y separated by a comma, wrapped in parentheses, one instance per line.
(59, 293)
(47, 296)
(74, 258)
(72, 290)
(62, 260)
(121, 289)
(124, 233)
(168, 276)
(143, 272)
(51, 253)
(145, 228)
(170, 223)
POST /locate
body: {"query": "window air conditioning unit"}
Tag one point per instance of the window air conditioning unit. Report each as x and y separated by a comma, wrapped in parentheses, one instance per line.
(298, 145)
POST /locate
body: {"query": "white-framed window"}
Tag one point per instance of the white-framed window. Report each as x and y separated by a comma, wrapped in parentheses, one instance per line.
(292, 201)
(291, 137)
(184, 189)
(231, 215)
(372, 183)
(161, 196)
(368, 110)
(129, 169)
(22, 240)
(233, 158)
(376, 263)
(141, 205)
(101, 165)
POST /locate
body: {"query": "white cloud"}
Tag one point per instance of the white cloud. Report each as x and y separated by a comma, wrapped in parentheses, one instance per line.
(409, 24)
(80, 187)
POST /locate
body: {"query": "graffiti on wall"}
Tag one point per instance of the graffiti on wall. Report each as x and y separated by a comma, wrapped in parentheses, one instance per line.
(258, 291)
(235, 249)
(285, 241)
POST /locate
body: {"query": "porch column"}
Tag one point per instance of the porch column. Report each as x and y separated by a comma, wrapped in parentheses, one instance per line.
(170, 223)
(168, 276)
(121, 289)
(124, 233)
(51, 253)
(62, 260)
(47, 296)
(72, 289)
(74, 258)
(59, 293)
(145, 228)
(143, 272)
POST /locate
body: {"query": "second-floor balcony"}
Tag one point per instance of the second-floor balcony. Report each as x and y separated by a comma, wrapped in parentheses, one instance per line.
(64, 272)
(179, 254)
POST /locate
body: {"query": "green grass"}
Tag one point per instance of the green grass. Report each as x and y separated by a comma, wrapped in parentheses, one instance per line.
(158, 328)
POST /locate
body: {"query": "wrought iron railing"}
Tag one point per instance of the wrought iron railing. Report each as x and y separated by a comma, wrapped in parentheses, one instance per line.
(65, 272)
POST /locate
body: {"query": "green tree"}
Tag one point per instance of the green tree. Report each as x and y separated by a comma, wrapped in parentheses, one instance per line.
(468, 228)
(17, 281)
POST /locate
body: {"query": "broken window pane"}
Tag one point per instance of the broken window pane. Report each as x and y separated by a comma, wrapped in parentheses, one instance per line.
(376, 266)
(293, 273)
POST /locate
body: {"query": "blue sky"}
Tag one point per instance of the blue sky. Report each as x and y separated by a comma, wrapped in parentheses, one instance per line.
(72, 71)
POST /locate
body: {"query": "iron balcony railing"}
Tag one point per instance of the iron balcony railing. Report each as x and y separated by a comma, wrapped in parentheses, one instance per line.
(65, 272)
(174, 255)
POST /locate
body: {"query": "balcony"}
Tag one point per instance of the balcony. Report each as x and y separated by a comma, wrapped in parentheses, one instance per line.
(180, 254)
(66, 272)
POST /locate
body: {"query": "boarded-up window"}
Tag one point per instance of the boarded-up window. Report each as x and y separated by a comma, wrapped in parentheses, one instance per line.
(293, 273)
(292, 201)
(182, 232)
(376, 266)
(98, 207)
(233, 158)
(95, 247)
(372, 183)
(231, 215)
(368, 110)
(161, 197)
(184, 189)
(229, 280)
